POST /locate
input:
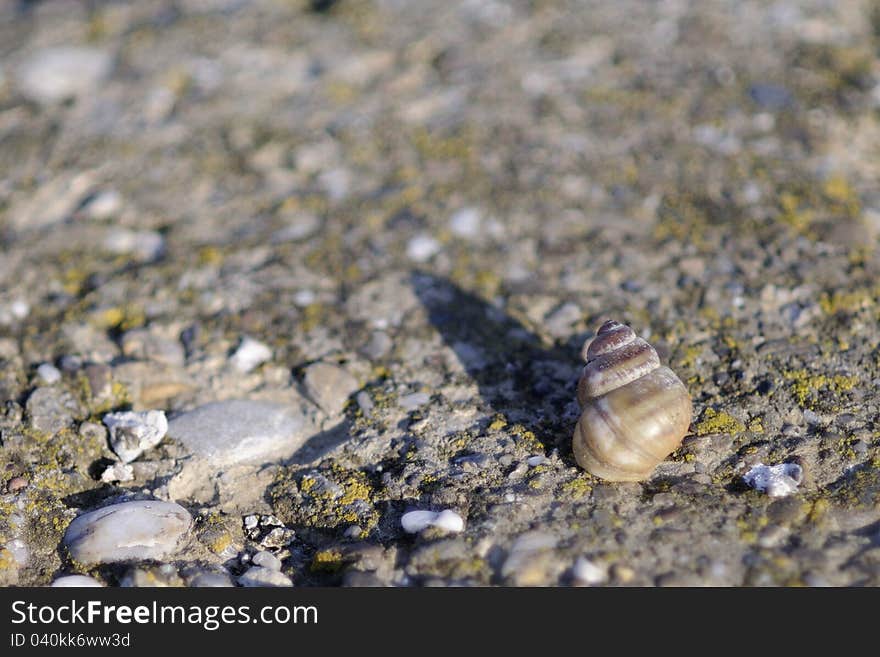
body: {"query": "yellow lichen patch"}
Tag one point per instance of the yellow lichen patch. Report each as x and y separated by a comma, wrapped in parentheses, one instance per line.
(498, 423)
(690, 355)
(327, 561)
(713, 421)
(850, 301)
(804, 384)
(756, 425)
(210, 256)
(122, 318)
(576, 488)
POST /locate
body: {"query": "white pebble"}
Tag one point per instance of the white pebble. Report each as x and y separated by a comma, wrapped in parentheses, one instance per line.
(49, 373)
(536, 460)
(304, 298)
(76, 581)
(586, 572)
(465, 223)
(143, 245)
(250, 354)
(422, 248)
(104, 205)
(266, 560)
(19, 309)
(415, 521)
(259, 576)
(133, 432)
(117, 472)
(775, 480)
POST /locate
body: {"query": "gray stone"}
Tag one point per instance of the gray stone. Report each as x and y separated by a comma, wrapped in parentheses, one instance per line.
(240, 431)
(128, 531)
(56, 74)
(329, 386)
(50, 410)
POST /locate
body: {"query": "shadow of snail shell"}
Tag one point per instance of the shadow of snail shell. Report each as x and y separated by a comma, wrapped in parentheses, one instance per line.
(635, 411)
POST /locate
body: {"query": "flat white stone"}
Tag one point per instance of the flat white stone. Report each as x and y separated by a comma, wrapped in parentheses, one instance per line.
(132, 432)
(145, 529)
(240, 431)
(76, 581)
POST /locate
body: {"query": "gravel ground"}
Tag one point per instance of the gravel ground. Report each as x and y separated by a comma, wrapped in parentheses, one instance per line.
(351, 250)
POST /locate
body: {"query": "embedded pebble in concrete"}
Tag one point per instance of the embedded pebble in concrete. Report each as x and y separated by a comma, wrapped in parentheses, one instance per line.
(210, 580)
(56, 74)
(266, 560)
(48, 373)
(51, 409)
(422, 248)
(775, 480)
(143, 245)
(413, 401)
(465, 223)
(414, 522)
(260, 576)
(329, 386)
(76, 581)
(250, 354)
(587, 573)
(120, 472)
(128, 531)
(133, 432)
(240, 431)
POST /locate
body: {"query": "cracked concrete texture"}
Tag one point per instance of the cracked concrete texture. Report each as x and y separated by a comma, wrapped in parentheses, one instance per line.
(438, 202)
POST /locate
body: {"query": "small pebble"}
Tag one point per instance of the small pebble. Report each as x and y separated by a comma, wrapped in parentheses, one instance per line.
(48, 374)
(414, 522)
(329, 386)
(76, 581)
(364, 402)
(143, 245)
(210, 580)
(414, 400)
(266, 560)
(259, 576)
(422, 248)
(588, 573)
(133, 432)
(250, 354)
(16, 484)
(536, 460)
(121, 472)
(146, 529)
(775, 480)
(465, 223)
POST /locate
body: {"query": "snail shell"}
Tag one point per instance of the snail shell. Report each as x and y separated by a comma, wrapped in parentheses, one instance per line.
(635, 411)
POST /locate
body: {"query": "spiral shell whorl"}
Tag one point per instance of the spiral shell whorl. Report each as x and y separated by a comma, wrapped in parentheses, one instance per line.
(635, 411)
